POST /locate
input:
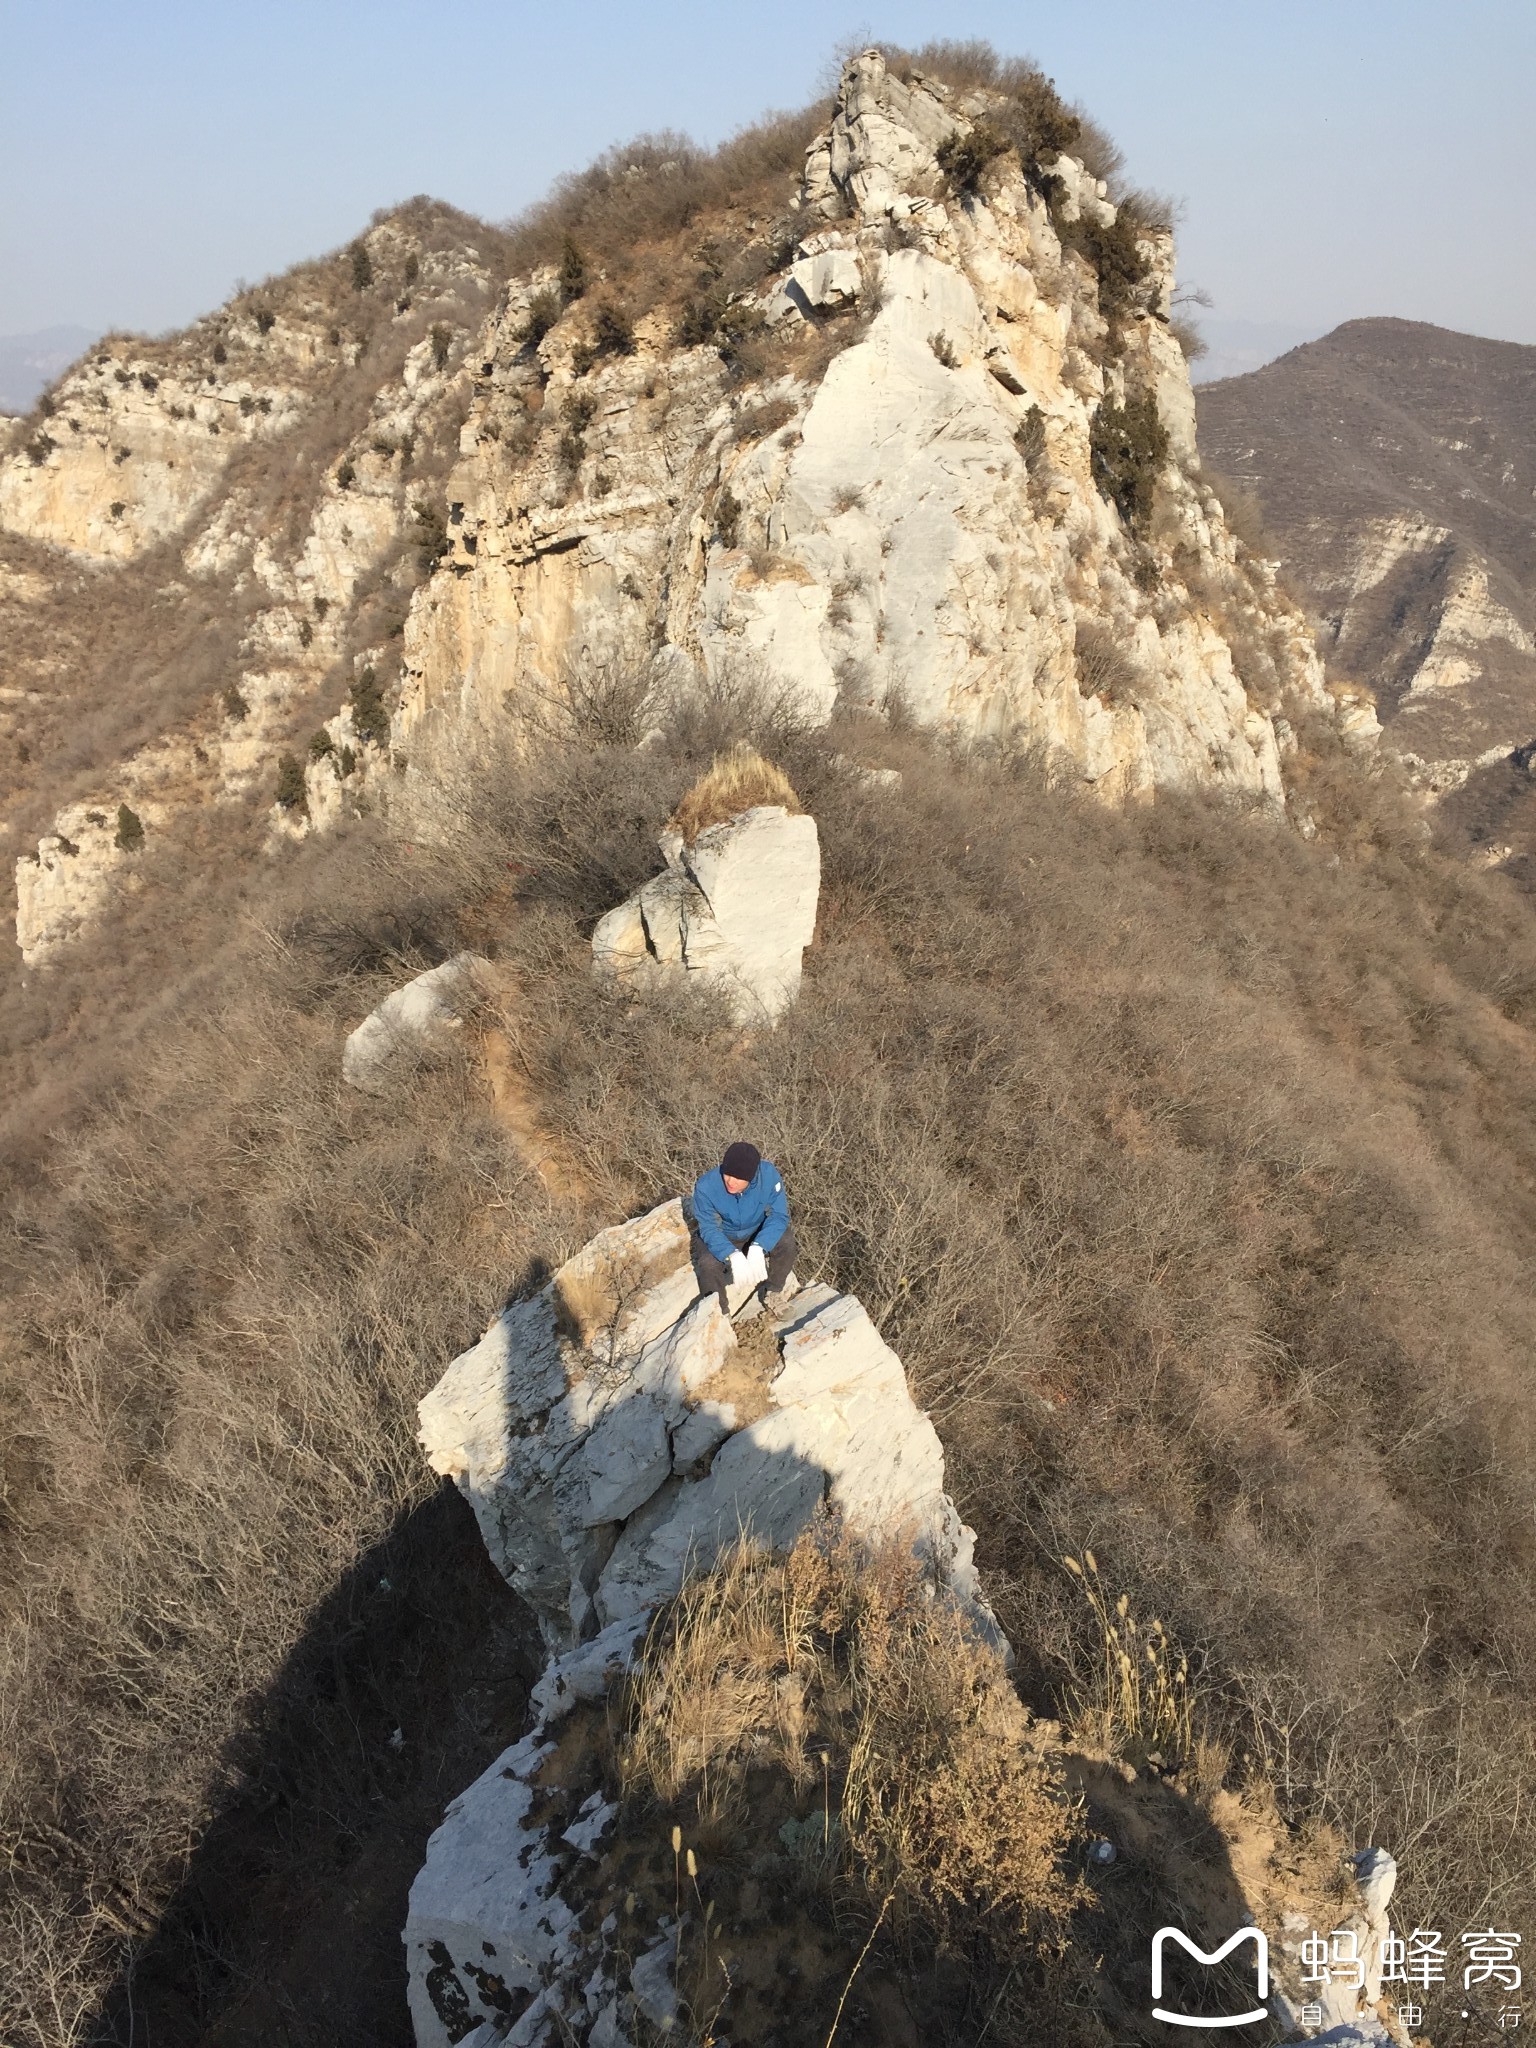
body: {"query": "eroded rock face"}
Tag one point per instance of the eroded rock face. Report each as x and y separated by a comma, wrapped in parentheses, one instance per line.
(420, 1018)
(140, 450)
(736, 910)
(901, 506)
(923, 520)
(59, 888)
(612, 1434)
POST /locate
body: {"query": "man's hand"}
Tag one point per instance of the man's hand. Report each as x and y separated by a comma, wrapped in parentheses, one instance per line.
(757, 1263)
(741, 1268)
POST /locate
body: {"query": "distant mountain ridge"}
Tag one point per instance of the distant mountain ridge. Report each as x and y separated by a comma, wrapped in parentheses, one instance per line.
(30, 362)
(1395, 463)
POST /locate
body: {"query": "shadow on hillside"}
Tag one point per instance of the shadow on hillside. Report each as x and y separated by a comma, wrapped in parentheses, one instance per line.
(286, 1930)
(1172, 1867)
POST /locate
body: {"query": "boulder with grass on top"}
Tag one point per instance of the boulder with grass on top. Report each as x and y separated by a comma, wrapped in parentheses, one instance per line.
(735, 903)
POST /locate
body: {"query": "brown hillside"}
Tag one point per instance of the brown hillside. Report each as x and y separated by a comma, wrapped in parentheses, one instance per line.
(1395, 464)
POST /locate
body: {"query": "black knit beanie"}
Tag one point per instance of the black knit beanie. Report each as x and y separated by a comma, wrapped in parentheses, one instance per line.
(741, 1160)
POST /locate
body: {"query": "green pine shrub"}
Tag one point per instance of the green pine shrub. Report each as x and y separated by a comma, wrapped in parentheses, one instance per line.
(291, 794)
(1128, 445)
(370, 715)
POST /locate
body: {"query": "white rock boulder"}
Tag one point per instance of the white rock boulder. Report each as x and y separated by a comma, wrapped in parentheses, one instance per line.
(1345, 2010)
(610, 1437)
(736, 909)
(420, 1018)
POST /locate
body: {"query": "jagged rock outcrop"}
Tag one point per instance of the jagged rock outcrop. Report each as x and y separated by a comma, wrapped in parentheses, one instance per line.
(951, 465)
(733, 911)
(923, 521)
(420, 1018)
(61, 885)
(613, 1433)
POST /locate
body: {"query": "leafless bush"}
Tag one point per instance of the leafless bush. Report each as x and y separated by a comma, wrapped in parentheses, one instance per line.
(1104, 669)
(643, 193)
(601, 703)
(1192, 342)
(1243, 513)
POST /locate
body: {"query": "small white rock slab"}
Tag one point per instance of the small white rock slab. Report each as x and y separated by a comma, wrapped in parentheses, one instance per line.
(420, 1018)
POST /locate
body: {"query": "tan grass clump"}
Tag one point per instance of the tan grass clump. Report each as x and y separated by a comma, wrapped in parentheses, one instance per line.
(834, 1680)
(734, 782)
(1136, 1700)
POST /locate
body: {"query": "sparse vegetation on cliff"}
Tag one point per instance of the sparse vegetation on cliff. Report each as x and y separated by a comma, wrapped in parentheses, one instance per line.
(1128, 447)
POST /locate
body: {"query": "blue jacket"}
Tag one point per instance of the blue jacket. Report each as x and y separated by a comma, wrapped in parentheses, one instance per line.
(726, 1222)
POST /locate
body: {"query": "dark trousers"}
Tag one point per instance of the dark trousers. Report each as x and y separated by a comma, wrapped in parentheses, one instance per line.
(714, 1278)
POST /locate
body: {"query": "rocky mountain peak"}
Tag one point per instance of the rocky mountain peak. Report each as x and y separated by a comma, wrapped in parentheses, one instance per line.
(909, 428)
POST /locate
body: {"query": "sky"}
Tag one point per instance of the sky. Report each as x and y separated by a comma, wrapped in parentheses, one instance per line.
(1333, 160)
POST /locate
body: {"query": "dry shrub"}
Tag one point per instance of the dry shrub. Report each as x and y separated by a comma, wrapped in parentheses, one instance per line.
(839, 1671)
(1036, 119)
(228, 1282)
(599, 703)
(1189, 1166)
(1243, 513)
(1104, 670)
(735, 782)
(1159, 1145)
(638, 199)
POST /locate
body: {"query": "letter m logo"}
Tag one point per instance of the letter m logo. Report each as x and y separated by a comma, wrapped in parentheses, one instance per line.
(1216, 1955)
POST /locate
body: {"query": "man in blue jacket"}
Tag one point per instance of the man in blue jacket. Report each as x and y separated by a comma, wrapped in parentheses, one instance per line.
(741, 1229)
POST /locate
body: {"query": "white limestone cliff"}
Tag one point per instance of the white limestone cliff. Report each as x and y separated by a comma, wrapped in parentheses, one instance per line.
(898, 505)
(141, 449)
(896, 535)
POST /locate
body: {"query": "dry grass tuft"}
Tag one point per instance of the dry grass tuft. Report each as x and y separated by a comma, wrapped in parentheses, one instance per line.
(735, 782)
(1135, 1700)
(838, 1674)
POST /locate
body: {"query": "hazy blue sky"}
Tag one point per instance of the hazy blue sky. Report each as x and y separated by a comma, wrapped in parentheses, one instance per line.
(1335, 159)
